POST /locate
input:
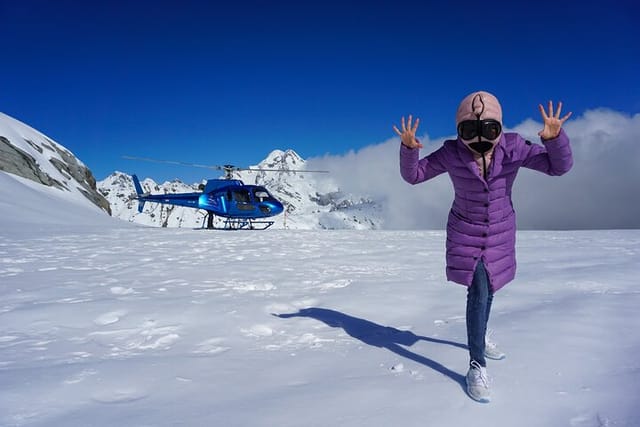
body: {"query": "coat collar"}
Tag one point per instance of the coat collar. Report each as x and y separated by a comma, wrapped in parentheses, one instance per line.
(496, 163)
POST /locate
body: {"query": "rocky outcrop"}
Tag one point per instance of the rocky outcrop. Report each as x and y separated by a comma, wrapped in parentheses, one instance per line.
(15, 161)
(29, 154)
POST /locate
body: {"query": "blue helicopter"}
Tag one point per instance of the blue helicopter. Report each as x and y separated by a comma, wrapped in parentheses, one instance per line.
(243, 206)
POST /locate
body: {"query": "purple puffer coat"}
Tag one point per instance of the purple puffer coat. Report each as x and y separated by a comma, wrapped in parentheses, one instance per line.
(482, 222)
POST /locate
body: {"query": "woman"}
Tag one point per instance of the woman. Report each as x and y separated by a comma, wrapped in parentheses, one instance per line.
(482, 164)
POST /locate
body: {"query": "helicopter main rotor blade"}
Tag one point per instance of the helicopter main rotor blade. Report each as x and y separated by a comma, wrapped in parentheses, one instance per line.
(226, 168)
(173, 162)
(217, 167)
(280, 170)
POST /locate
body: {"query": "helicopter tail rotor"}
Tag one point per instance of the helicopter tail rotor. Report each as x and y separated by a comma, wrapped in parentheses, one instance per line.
(139, 192)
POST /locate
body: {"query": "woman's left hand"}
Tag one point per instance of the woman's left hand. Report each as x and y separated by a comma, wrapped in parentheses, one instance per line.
(552, 122)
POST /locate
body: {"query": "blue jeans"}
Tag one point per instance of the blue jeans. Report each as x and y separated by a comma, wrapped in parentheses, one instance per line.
(479, 299)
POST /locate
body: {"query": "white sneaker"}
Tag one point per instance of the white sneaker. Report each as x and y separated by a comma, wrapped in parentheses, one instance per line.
(491, 350)
(478, 383)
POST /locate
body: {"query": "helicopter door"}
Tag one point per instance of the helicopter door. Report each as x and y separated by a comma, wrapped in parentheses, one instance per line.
(241, 196)
(242, 199)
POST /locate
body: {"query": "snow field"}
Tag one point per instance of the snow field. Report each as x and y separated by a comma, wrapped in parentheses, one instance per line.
(288, 328)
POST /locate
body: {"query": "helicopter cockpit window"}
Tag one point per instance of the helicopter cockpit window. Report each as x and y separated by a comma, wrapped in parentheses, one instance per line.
(241, 196)
(261, 194)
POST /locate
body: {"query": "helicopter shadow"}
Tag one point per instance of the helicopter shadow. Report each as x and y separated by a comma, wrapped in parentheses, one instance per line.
(376, 335)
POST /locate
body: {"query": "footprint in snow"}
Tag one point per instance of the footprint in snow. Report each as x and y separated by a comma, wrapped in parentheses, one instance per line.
(120, 395)
(119, 290)
(80, 376)
(588, 420)
(210, 347)
(335, 284)
(164, 342)
(258, 331)
(109, 318)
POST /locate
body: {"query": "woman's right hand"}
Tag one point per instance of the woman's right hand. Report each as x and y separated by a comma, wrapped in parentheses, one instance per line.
(408, 133)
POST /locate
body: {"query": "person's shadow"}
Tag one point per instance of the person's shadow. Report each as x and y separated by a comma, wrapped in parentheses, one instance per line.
(380, 336)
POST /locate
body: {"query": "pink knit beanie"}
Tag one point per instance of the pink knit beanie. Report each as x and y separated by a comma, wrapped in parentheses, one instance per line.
(482, 103)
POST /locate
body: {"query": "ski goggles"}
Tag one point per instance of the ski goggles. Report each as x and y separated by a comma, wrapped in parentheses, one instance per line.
(489, 129)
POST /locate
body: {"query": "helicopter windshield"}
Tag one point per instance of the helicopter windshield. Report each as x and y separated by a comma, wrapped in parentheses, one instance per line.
(261, 193)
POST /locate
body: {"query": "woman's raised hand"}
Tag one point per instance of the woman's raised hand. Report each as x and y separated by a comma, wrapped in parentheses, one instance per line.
(552, 122)
(408, 133)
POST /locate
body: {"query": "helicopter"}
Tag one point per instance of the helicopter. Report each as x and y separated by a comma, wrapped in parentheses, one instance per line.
(242, 206)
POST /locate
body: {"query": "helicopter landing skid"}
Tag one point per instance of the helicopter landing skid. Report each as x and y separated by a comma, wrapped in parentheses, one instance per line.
(242, 224)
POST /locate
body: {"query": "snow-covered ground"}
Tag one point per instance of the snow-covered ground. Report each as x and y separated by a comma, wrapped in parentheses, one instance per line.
(103, 323)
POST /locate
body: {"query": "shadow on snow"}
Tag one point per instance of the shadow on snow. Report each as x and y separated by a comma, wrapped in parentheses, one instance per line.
(376, 335)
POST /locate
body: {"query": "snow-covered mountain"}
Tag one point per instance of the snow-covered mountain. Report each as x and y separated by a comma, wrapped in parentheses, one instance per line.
(312, 201)
(30, 154)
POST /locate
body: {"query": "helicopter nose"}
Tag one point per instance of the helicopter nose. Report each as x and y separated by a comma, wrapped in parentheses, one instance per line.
(271, 208)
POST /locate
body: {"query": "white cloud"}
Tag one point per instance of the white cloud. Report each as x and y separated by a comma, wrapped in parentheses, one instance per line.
(601, 191)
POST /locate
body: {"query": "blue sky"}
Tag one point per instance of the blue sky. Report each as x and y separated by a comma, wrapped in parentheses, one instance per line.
(227, 82)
